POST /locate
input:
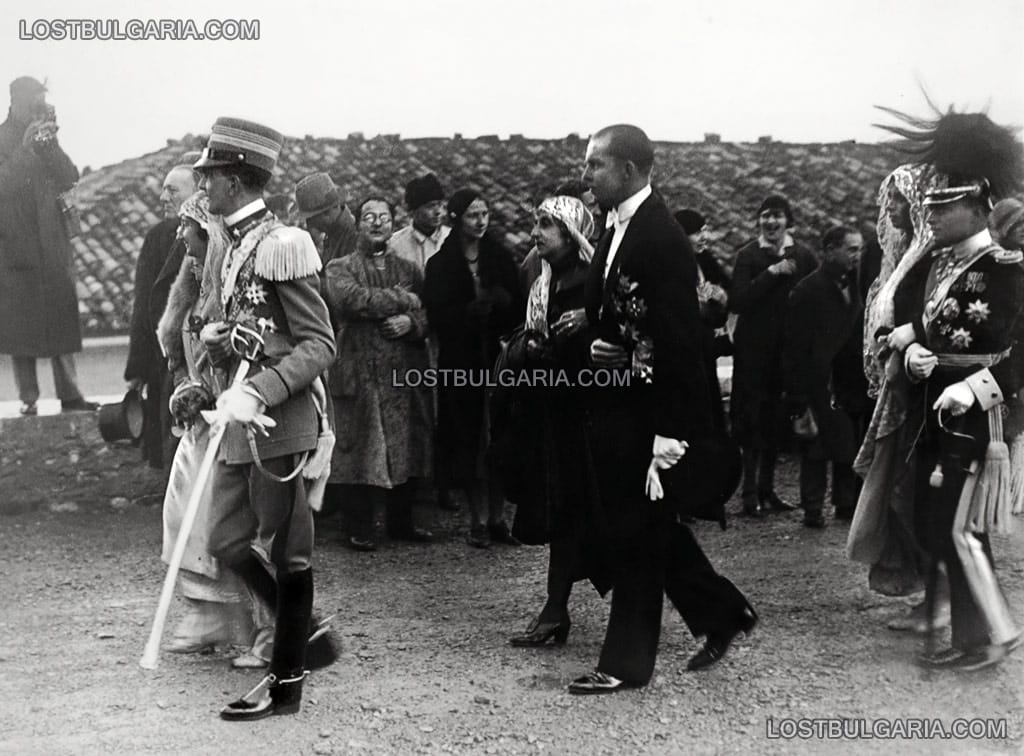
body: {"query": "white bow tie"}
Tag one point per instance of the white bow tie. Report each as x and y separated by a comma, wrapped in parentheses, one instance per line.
(612, 218)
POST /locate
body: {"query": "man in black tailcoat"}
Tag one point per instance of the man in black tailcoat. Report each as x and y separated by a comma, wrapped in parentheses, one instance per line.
(641, 298)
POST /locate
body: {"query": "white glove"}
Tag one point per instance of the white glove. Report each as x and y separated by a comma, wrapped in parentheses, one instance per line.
(239, 405)
(652, 487)
(668, 450)
(956, 398)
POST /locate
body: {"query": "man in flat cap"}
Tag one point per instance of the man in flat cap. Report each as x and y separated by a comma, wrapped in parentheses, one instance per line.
(269, 283)
(38, 302)
(420, 240)
(155, 270)
(319, 203)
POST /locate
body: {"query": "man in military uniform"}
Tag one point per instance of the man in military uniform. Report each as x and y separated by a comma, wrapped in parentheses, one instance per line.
(270, 283)
(961, 333)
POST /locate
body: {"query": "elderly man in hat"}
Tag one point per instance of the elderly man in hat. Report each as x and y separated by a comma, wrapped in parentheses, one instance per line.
(38, 302)
(318, 202)
(426, 232)
(270, 283)
(960, 329)
(155, 270)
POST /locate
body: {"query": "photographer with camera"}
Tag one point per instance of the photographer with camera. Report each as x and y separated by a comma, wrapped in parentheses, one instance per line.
(38, 303)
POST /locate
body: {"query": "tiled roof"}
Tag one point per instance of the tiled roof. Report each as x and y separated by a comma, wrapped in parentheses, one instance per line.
(827, 183)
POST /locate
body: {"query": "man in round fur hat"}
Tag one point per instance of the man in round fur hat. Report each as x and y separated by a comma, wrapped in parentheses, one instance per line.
(960, 329)
(269, 278)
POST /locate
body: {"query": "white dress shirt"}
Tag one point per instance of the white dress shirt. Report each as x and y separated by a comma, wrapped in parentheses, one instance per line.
(412, 245)
(620, 218)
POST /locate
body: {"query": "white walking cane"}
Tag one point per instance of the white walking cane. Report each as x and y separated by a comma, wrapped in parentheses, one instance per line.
(247, 343)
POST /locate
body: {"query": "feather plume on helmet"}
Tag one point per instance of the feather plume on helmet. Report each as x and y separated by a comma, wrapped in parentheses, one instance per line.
(971, 155)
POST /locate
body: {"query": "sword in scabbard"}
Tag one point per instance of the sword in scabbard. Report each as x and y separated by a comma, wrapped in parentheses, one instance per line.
(247, 343)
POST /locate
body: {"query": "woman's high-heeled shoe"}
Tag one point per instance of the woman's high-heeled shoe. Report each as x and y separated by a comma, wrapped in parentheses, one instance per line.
(539, 633)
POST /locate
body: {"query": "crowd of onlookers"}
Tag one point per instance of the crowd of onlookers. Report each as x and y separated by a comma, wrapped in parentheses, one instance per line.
(442, 292)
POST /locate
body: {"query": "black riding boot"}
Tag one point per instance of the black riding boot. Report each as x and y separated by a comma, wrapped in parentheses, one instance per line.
(280, 692)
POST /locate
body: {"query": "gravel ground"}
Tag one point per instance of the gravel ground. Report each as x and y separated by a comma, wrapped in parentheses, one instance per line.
(425, 666)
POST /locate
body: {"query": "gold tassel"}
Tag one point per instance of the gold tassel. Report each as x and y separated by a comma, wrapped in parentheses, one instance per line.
(991, 505)
(1017, 474)
(286, 254)
(318, 464)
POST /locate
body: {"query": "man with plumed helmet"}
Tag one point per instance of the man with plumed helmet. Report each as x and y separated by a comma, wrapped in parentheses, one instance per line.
(959, 336)
(269, 276)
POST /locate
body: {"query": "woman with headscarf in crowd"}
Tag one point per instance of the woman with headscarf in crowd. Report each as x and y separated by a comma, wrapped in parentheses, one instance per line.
(218, 608)
(472, 297)
(540, 450)
(383, 414)
(766, 271)
(882, 532)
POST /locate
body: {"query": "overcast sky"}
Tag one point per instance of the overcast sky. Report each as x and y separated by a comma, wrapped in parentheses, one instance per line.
(799, 70)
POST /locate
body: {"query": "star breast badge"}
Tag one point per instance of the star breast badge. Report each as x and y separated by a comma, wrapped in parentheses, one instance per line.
(978, 311)
(255, 293)
(961, 338)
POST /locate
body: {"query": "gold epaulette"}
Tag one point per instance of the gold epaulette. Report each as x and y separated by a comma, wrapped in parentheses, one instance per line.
(285, 254)
(1005, 256)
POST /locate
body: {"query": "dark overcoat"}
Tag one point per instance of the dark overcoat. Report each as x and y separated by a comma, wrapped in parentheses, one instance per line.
(468, 341)
(761, 300)
(821, 330)
(38, 302)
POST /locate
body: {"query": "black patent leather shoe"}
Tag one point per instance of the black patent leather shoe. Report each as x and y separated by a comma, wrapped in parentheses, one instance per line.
(271, 696)
(771, 501)
(539, 633)
(499, 533)
(594, 683)
(716, 644)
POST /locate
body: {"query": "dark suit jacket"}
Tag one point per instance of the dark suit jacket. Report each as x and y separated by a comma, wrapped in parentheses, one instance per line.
(821, 331)
(155, 270)
(656, 256)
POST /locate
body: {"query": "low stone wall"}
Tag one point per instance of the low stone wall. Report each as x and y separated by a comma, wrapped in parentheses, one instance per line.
(61, 463)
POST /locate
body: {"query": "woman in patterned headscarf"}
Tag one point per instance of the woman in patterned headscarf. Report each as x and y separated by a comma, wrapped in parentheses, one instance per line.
(882, 532)
(543, 466)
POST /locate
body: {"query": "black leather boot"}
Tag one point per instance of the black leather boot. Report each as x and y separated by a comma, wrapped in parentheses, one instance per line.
(273, 695)
(254, 574)
(280, 692)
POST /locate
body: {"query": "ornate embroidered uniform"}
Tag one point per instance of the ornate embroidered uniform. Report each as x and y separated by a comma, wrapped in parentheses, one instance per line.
(967, 306)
